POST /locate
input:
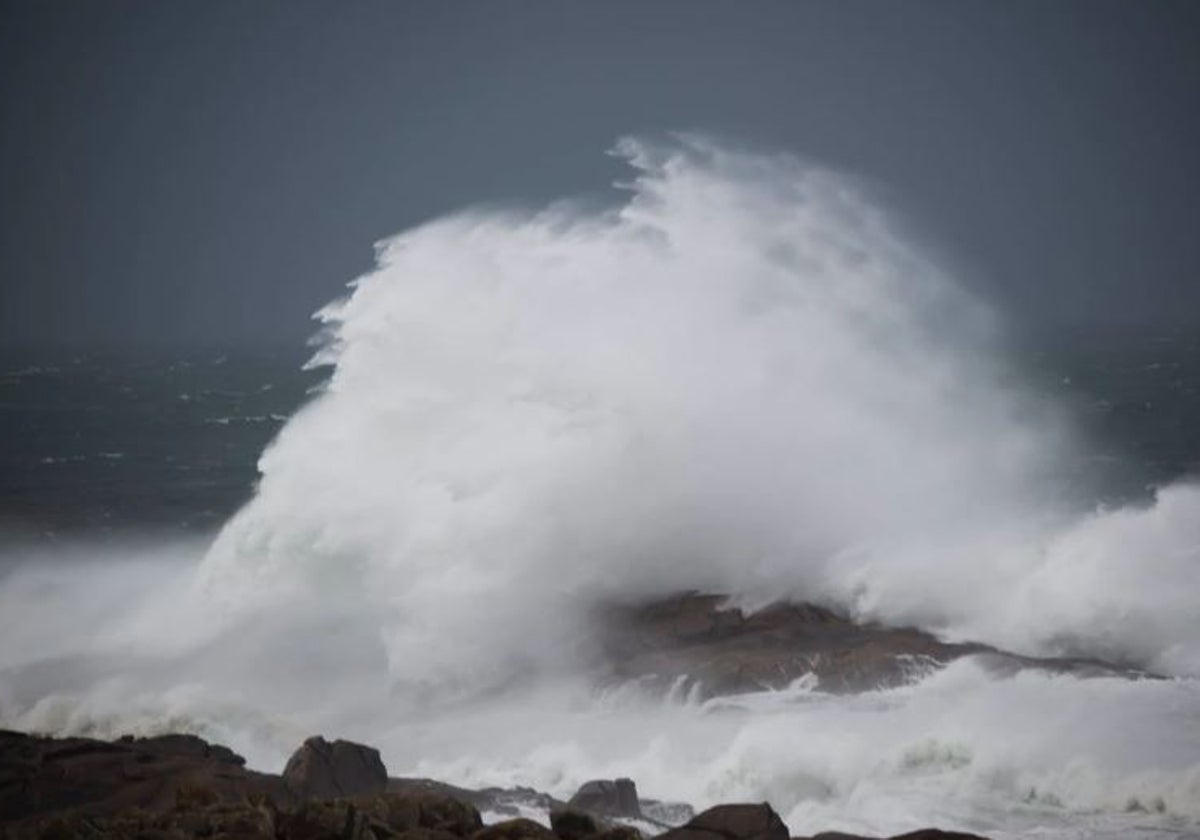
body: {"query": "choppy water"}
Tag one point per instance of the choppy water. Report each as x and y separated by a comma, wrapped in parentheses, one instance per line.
(104, 442)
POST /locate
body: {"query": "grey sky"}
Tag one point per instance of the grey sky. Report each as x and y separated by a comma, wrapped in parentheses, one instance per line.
(211, 172)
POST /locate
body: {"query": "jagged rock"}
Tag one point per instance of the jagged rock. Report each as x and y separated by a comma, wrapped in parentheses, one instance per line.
(43, 776)
(518, 829)
(184, 745)
(732, 822)
(615, 798)
(324, 770)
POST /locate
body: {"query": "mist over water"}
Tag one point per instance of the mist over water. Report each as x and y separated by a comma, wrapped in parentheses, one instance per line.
(744, 378)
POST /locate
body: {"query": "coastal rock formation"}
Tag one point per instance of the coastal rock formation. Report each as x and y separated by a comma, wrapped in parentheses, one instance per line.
(80, 775)
(573, 825)
(616, 798)
(732, 822)
(176, 787)
(324, 770)
(698, 643)
(518, 829)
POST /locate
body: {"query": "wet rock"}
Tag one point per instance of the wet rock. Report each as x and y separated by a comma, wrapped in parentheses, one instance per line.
(322, 769)
(573, 825)
(618, 832)
(615, 798)
(518, 829)
(710, 648)
(732, 822)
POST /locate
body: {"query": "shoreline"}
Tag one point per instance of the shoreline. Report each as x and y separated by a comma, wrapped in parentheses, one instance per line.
(171, 787)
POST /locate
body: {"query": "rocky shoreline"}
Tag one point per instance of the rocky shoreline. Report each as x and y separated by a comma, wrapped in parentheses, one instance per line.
(173, 787)
(178, 786)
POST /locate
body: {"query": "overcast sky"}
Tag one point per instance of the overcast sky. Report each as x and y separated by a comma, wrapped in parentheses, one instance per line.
(212, 172)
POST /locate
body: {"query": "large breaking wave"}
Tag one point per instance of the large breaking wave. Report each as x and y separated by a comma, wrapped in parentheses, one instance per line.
(744, 378)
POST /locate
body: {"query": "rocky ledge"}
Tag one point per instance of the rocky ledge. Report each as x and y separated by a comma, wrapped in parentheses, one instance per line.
(178, 786)
(697, 643)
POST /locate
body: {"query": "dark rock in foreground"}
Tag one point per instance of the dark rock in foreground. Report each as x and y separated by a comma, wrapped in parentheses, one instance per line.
(698, 642)
(41, 776)
(178, 786)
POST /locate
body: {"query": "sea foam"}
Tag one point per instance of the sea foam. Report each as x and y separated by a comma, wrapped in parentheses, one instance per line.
(742, 378)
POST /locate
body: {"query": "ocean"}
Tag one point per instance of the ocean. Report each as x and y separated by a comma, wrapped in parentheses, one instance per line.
(743, 380)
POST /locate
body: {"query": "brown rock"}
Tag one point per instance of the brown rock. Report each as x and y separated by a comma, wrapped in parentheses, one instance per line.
(615, 798)
(573, 825)
(43, 776)
(732, 822)
(701, 642)
(518, 829)
(324, 770)
(618, 832)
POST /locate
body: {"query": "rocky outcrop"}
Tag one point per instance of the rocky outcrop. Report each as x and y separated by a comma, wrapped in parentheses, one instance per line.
(179, 786)
(518, 829)
(705, 646)
(605, 798)
(80, 775)
(322, 769)
(732, 822)
(573, 825)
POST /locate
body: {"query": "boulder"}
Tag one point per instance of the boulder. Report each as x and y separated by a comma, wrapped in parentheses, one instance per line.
(732, 822)
(327, 770)
(618, 832)
(573, 825)
(518, 829)
(607, 798)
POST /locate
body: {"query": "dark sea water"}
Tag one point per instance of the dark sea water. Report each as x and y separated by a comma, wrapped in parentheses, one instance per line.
(103, 443)
(106, 442)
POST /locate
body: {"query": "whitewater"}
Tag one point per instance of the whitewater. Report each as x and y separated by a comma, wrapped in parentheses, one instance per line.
(746, 377)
